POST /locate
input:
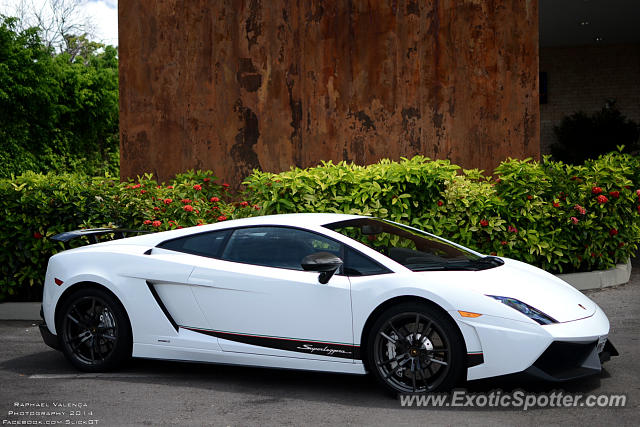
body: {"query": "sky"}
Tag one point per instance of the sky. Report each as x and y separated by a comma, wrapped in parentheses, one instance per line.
(102, 13)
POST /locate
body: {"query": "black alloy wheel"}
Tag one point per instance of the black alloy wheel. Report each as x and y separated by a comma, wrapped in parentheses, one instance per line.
(94, 331)
(414, 348)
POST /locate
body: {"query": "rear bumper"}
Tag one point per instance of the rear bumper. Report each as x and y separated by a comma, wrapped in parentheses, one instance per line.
(49, 339)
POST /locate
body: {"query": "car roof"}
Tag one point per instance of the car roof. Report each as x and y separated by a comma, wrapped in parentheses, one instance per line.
(304, 220)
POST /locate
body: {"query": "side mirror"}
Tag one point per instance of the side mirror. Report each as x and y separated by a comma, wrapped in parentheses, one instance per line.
(323, 262)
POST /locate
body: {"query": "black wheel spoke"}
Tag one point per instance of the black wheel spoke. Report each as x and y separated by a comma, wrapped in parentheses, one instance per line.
(421, 349)
(413, 374)
(108, 337)
(393, 328)
(395, 359)
(438, 361)
(90, 332)
(388, 337)
(398, 366)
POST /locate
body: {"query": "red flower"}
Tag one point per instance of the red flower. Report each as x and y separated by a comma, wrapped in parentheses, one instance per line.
(158, 186)
(156, 223)
(556, 204)
(225, 185)
(614, 194)
(493, 254)
(143, 191)
(256, 207)
(621, 244)
(613, 232)
(197, 187)
(639, 209)
(146, 222)
(222, 218)
(529, 197)
(484, 222)
(155, 208)
(574, 219)
(498, 181)
(207, 179)
(215, 208)
(244, 204)
(503, 243)
(512, 229)
(596, 190)
(37, 235)
(214, 200)
(440, 203)
(602, 199)
(179, 227)
(199, 224)
(186, 201)
(168, 201)
(188, 208)
(638, 193)
(170, 187)
(580, 209)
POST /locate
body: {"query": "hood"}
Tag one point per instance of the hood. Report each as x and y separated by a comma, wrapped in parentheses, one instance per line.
(535, 287)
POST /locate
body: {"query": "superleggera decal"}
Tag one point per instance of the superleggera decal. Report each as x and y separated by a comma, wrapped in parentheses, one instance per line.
(344, 351)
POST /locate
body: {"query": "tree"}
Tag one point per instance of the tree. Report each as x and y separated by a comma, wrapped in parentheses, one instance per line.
(57, 111)
(581, 136)
(57, 21)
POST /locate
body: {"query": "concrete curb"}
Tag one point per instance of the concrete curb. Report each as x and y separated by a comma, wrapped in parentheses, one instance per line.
(599, 279)
(20, 311)
(581, 281)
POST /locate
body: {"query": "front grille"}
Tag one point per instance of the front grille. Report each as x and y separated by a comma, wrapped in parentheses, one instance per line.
(567, 360)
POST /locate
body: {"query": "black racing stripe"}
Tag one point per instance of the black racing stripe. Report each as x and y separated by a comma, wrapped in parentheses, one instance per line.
(344, 351)
(474, 359)
(161, 304)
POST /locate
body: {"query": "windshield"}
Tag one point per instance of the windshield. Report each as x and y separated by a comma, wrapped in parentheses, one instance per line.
(412, 248)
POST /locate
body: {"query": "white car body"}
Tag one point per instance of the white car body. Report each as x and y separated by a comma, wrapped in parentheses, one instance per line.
(233, 313)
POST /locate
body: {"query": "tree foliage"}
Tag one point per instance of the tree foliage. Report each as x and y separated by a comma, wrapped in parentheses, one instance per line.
(581, 136)
(58, 112)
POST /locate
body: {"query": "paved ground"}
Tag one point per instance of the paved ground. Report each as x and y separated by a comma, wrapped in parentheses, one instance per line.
(157, 393)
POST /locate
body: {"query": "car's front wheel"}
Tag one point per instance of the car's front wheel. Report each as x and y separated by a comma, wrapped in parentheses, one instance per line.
(94, 330)
(415, 348)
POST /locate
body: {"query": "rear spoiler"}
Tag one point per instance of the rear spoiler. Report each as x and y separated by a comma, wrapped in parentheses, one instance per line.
(93, 233)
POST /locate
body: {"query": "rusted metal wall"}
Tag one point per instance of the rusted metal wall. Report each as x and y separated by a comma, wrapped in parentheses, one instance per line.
(237, 85)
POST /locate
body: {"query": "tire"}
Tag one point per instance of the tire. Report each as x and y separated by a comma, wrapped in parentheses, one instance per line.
(413, 360)
(94, 331)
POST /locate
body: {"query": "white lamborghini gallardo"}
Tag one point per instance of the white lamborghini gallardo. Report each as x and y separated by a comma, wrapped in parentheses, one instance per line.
(323, 292)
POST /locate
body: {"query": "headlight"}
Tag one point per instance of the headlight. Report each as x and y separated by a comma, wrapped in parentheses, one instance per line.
(525, 309)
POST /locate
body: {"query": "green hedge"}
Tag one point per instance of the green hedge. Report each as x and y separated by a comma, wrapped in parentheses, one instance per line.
(37, 206)
(559, 217)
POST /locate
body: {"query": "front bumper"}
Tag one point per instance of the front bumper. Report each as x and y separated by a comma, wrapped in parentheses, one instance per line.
(510, 346)
(564, 361)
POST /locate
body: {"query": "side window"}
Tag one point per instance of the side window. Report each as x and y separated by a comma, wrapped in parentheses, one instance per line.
(204, 244)
(357, 264)
(278, 247)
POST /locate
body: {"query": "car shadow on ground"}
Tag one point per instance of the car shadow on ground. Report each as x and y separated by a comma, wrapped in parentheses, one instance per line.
(270, 385)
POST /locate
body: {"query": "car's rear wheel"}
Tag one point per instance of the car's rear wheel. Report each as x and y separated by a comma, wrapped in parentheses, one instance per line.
(415, 348)
(94, 330)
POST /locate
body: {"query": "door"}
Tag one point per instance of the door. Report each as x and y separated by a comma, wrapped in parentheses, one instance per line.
(257, 299)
